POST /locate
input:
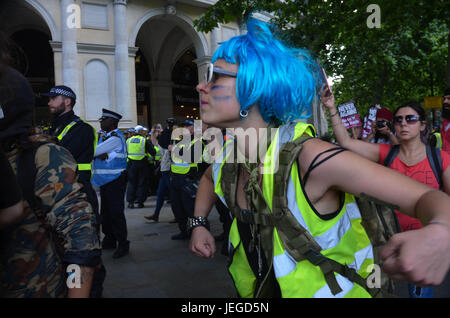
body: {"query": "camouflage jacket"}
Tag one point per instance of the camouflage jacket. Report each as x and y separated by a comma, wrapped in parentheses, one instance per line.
(34, 253)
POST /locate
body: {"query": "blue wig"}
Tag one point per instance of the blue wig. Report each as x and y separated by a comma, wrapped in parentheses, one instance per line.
(282, 81)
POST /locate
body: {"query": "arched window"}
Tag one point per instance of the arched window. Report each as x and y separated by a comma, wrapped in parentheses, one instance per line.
(97, 90)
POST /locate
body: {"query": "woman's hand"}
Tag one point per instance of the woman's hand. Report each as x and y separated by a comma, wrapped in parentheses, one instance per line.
(421, 257)
(202, 243)
(327, 99)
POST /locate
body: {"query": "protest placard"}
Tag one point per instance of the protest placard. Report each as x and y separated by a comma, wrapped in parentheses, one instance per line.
(349, 115)
(368, 120)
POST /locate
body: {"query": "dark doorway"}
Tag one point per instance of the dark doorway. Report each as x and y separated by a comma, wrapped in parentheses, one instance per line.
(143, 79)
(33, 57)
(185, 79)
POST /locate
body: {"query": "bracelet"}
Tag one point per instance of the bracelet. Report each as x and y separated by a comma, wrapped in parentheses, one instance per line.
(195, 221)
(334, 114)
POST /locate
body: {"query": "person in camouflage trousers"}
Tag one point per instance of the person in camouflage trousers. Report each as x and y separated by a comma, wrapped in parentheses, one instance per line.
(58, 227)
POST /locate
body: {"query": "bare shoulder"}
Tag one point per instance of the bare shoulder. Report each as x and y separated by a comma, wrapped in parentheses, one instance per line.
(312, 148)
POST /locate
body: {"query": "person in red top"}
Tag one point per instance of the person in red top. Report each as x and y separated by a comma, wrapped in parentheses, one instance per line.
(412, 161)
(410, 133)
(445, 130)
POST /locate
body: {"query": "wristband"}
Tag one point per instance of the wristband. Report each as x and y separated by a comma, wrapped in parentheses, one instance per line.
(197, 221)
(334, 114)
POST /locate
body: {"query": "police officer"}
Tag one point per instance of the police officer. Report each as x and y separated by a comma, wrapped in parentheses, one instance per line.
(183, 173)
(110, 175)
(74, 134)
(138, 148)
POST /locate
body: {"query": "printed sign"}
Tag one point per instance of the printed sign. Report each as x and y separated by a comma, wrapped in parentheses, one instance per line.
(349, 115)
(368, 120)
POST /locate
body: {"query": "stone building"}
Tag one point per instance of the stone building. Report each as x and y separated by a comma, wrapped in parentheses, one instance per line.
(141, 58)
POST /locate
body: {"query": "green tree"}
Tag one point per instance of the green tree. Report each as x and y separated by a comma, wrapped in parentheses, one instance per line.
(405, 59)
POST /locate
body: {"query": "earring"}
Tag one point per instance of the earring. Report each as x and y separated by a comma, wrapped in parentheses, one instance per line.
(243, 113)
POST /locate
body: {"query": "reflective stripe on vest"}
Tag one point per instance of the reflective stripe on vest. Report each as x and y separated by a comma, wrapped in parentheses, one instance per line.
(136, 148)
(342, 238)
(81, 166)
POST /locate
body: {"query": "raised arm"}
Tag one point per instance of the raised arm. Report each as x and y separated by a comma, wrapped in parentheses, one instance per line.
(202, 242)
(365, 149)
(420, 256)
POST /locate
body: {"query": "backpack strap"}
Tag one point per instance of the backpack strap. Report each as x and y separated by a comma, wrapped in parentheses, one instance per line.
(393, 152)
(296, 239)
(435, 160)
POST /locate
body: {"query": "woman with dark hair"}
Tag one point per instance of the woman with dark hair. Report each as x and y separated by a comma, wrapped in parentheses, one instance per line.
(409, 121)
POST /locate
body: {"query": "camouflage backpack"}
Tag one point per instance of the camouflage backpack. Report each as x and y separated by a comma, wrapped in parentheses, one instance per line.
(378, 219)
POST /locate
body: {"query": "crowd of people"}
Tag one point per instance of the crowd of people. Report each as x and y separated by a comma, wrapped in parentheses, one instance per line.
(295, 231)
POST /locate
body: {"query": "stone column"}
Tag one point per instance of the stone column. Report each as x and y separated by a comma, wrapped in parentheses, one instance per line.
(122, 70)
(215, 39)
(69, 17)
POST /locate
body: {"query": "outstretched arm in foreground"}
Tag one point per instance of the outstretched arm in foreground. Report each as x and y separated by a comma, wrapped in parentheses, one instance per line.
(421, 256)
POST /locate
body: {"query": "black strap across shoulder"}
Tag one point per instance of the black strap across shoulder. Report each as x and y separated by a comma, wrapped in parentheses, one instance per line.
(314, 165)
(435, 160)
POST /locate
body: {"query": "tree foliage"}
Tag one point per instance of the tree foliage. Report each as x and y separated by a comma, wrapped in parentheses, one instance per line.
(405, 59)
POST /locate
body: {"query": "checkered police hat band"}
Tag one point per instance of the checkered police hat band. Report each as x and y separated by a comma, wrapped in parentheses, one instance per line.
(63, 92)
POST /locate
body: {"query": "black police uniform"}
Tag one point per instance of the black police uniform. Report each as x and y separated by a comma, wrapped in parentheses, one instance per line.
(79, 140)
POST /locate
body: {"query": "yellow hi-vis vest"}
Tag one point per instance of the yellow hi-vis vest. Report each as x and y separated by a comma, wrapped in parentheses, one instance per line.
(179, 166)
(86, 166)
(136, 148)
(438, 140)
(342, 238)
(153, 159)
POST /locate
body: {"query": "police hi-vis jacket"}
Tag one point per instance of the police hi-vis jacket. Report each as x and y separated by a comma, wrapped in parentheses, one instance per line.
(110, 169)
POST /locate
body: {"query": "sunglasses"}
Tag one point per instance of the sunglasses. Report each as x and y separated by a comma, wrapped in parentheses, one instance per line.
(410, 119)
(212, 70)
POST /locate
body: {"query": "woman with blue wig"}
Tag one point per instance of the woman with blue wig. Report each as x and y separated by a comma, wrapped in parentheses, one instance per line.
(299, 233)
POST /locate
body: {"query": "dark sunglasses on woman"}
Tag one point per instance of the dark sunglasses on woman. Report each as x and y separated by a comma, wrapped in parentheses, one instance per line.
(410, 119)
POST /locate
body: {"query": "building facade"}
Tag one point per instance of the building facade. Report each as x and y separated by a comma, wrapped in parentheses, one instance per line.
(140, 58)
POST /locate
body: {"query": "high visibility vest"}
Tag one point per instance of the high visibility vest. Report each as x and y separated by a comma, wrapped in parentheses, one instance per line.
(136, 148)
(106, 171)
(179, 166)
(342, 238)
(438, 140)
(157, 156)
(82, 166)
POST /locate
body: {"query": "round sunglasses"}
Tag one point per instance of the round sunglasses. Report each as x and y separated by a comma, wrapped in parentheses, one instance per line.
(410, 119)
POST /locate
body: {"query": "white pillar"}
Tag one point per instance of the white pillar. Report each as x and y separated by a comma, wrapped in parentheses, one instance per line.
(69, 46)
(215, 39)
(122, 70)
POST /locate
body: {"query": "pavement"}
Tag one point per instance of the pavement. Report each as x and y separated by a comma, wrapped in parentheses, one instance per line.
(158, 267)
